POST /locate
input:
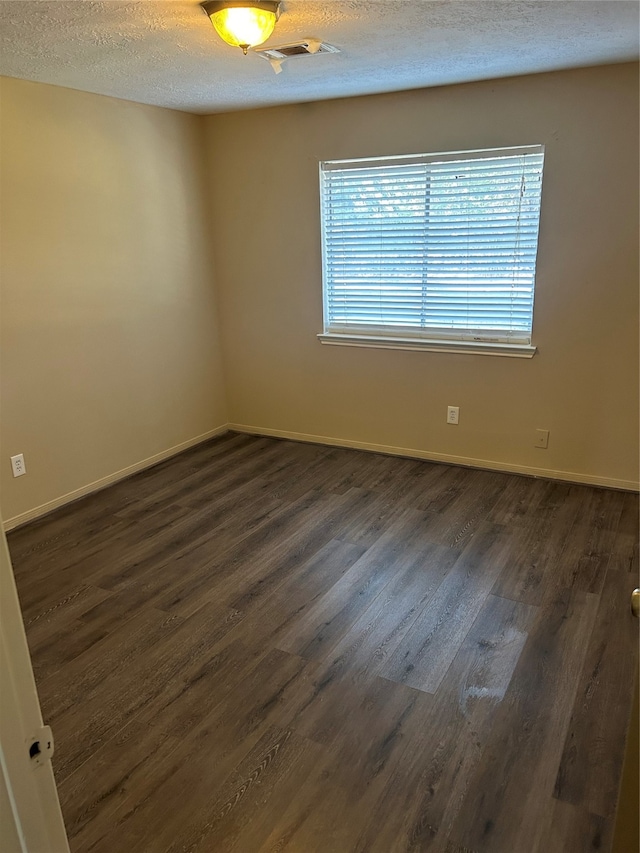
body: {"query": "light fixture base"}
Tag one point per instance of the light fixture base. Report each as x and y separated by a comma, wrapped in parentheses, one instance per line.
(213, 6)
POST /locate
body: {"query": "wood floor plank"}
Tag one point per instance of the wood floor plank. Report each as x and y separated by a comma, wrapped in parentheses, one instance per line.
(535, 556)
(427, 791)
(71, 525)
(447, 485)
(375, 519)
(592, 757)
(71, 606)
(122, 764)
(339, 798)
(141, 821)
(262, 784)
(221, 474)
(373, 638)
(71, 534)
(582, 561)
(330, 618)
(266, 646)
(269, 570)
(627, 549)
(310, 463)
(407, 481)
(519, 498)
(115, 654)
(188, 700)
(573, 830)
(149, 576)
(110, 705)
(367, 471)
(562, 504)
(481, 675)
(467, 511)
(427, 650)
(49, 655)
(630, 516)
(85, 564)
(583, 558)
(271, 616)
(178, 540)
(230, 732)
(260, 558)
(529, 729)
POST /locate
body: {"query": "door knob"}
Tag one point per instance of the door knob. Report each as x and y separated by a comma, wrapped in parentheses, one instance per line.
(635, 602)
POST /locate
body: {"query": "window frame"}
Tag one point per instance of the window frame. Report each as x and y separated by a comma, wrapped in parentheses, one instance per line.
(446, 340)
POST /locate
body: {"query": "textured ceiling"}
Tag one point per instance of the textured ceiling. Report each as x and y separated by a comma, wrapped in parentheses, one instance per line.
(166, 52)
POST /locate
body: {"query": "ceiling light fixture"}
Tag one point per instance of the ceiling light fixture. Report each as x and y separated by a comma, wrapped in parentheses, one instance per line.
(243, 23)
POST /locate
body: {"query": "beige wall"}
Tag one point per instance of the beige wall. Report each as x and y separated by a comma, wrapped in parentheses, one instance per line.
(583, 383)
(109, 339)
(112, 244)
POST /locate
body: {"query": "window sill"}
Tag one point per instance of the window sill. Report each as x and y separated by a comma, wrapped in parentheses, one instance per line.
(419, 344)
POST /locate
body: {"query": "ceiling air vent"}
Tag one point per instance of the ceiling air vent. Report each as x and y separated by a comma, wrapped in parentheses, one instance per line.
(301, 48)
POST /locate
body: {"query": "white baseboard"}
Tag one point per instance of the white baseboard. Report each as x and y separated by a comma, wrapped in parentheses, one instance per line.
(488, 464)
(103, 482)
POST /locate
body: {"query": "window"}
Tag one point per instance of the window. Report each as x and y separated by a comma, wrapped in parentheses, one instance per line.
(436, 251)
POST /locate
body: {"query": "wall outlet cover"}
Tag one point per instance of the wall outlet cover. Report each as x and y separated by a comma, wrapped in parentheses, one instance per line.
(17, 465)
(542, 439)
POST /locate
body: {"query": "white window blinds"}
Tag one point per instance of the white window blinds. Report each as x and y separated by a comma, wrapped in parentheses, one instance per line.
(435, 246)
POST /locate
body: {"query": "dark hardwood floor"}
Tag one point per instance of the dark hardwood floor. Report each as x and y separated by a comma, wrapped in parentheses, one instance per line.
(262, 646)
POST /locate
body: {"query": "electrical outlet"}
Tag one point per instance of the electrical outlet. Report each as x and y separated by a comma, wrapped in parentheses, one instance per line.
(453, 414)
(542, 438)
(17, 465)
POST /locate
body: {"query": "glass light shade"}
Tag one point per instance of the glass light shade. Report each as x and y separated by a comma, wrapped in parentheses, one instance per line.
(244, 26)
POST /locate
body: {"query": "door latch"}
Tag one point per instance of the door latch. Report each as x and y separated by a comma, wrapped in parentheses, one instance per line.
(41, 746)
